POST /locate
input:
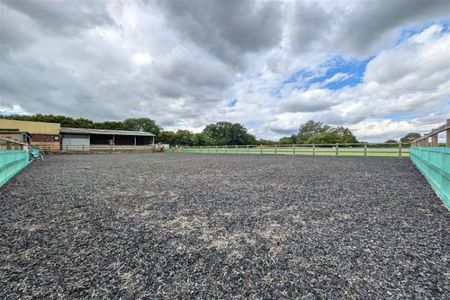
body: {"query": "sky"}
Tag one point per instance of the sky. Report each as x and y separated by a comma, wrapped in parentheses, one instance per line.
(381, 68)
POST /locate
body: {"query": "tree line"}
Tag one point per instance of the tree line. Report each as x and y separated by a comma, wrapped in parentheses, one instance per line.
(220, 133)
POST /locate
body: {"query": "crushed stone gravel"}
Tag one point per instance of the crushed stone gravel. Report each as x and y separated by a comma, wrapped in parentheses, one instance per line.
(222, 226)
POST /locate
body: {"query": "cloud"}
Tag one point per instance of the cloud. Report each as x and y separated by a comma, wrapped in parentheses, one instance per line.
(180, 62)
(227, 29)
(311, 100)
(389, 87)
(64, 17)
(337, 77)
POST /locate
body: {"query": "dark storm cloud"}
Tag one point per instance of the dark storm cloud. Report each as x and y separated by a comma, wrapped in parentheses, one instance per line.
(371, 21)
(312, 24)
(227, 28)
(63, 16)
(361, 26)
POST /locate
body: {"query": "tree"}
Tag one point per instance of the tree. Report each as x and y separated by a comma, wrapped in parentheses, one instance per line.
(410, 137)
(201, 139)
(310, 129)
(142, 124)
(226, 133)
(339, 134)
(167, 137)
(328, 137)
(287, 140)
(391, 142)
(346, 135)
(182, 137)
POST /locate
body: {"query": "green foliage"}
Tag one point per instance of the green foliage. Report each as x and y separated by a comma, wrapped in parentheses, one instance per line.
(167, 137)
(410, 137)
(328, 137)
(391, 142)
(313, 132)
(309, 129)
(288, 140)
(264, 142)
(226, 133)
(142, 124)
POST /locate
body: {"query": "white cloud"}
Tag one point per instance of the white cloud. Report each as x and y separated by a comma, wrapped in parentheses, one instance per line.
(337, 77)
(181, 63)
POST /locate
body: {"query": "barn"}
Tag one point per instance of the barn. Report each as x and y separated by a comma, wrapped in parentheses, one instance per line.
(89, 139)
(42, 134)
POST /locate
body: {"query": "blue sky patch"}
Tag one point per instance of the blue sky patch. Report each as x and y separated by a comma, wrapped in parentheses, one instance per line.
(408, 32)
(232, 103)
(348, 73)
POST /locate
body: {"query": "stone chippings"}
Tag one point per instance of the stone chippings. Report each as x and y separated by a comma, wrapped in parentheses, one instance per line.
(222, 226)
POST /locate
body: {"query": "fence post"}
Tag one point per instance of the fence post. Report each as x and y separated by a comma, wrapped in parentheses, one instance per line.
(217, 149)
(314, 149)
(275, 148)
(236, 149)
(293, 149)
(400, 149)
(208, 149)
(448, 134)
(337, 149)
(261, 148)
(247, 149)
(365, 150)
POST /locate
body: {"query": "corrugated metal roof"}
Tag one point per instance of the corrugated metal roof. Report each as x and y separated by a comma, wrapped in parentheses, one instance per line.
(104, 131)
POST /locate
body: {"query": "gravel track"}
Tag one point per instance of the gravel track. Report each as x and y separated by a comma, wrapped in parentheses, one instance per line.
(222, 226)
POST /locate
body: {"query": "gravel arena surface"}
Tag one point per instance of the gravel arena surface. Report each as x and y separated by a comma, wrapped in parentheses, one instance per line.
(222, 226)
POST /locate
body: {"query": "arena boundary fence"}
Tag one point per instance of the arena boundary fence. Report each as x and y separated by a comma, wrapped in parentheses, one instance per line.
(356, 149)
(434, 161)
(14, 156)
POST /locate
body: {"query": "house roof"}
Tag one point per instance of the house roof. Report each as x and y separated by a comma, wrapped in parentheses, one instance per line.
(68, 130)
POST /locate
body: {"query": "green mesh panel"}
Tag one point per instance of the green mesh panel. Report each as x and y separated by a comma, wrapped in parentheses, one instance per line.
(11, 162)
(434, 163)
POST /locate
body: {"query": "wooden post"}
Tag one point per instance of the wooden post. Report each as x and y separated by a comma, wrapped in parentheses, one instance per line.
(337, 149)
(261, 148)
(434, 140)
(293, 147)
(448, 134)
(399, 149)
(365, 150)
(247, 149)
(236, 148)
(275, 148)
(314, 149)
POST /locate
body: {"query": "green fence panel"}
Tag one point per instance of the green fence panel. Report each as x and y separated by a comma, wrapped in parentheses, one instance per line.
(434, 164)
(11, 162)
